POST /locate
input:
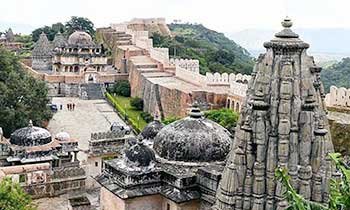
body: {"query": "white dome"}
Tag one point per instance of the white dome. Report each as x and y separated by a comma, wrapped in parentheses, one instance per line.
(80, 38)
(62, 136)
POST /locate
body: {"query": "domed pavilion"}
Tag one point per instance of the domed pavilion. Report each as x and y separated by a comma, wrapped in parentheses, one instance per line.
(174, 166)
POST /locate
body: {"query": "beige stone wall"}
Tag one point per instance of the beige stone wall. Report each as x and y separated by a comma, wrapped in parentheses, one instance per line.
(108, 201)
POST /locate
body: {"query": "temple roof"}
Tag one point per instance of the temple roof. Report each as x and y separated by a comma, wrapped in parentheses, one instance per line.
(81, 39)
(30, 136)
(42, 47)
(193, 139)
(59, 40)
(152, 129)
(139, 155)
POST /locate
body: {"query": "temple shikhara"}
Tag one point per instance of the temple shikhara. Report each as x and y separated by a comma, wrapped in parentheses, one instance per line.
(283, 124)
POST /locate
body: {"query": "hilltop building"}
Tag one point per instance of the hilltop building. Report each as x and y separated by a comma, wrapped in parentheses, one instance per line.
(76, 66)
(283, 123)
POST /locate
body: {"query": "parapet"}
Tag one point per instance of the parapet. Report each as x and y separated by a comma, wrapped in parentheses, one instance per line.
(338, 97)
(221, 79)
(188, 64)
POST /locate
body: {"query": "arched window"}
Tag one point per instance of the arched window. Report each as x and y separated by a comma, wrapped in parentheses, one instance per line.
(237, 107)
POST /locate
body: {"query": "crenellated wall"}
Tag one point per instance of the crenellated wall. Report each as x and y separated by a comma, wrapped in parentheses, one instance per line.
(188, 64)
(225, 78)
(338, 97)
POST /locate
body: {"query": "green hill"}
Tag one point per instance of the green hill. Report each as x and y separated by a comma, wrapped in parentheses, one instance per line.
(215, 52)
(337, 74)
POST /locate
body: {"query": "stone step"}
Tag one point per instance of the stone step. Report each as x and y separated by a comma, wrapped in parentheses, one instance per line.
(147, 66)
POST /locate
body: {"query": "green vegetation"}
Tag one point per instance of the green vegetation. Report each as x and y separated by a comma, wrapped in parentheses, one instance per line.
(13, 197)
(169, 120)
(121, 88)
(339, 190)
(137, 103)
(22, 97)
(225, 117)
(147, 117)
(215, 52)
(28, 44)
(75, 23)
(337, 74)
(132, 116)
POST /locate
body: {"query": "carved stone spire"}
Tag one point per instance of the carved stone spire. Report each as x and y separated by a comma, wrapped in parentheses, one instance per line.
(282, 124)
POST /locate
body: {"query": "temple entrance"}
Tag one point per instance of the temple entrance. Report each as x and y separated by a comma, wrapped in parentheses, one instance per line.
(90, 78)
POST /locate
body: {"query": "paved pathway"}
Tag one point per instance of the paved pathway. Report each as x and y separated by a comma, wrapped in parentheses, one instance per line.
(88, 117)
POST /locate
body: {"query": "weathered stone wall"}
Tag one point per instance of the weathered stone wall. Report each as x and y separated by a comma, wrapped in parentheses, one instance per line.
(42, 64)
(63, 89)
(109, 201)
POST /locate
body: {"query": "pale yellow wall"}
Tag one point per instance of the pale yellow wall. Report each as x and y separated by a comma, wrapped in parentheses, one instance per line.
(109, 201)
(152, 202)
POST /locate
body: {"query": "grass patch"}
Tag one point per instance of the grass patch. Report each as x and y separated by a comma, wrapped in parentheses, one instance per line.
(122, 104)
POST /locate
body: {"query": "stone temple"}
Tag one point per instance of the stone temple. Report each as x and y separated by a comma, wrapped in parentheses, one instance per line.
(283, 124)
(177, 166)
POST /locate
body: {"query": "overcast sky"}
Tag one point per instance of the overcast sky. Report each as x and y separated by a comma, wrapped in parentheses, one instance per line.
(221, 15)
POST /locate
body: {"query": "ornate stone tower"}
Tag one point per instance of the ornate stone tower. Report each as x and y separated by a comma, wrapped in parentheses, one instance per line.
(283, 123)
(42, 54)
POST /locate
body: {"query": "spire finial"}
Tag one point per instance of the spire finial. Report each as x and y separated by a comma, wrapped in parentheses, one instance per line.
(30, 124)
(287, 22)
(195, 111)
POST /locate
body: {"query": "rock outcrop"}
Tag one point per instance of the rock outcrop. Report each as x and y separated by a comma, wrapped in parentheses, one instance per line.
(282, 124)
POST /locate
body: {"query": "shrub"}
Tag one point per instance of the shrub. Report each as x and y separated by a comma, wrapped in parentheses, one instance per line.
(225, 117)
(147, 117)
(137, 103)
(121, 88)
(169, 120)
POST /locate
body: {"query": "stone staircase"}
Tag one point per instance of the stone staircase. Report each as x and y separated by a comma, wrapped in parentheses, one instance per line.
(122, 38)
(91, 91)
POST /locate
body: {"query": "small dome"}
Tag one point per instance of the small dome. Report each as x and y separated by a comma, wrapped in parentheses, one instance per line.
(80, 38)
(193, 139)
(152, 129)
(139, 155)
(62, 136)
(30, 136)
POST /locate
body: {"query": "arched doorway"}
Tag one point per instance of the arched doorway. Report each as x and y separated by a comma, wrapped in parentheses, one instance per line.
(90, 78)
(237, 107)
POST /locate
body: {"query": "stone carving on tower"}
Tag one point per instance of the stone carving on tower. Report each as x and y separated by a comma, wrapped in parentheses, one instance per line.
(283, 124)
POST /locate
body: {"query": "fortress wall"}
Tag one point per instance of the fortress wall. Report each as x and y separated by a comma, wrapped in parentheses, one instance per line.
(190, 76)
(160, 54)
(217, 78)
(188, 64)
(338, 97)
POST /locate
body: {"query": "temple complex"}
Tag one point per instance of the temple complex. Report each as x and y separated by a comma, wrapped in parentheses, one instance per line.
(283, 123)
(7, 40)
(176, 166)
(76, 66)
(43, 165)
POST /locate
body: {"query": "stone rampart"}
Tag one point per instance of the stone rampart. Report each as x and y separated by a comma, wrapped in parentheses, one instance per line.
(338, 97)
(225, 78)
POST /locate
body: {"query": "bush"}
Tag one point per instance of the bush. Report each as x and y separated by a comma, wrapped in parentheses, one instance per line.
(169, 120)
(121, 88)
(225, 117)
(137, 103)
(147, 117)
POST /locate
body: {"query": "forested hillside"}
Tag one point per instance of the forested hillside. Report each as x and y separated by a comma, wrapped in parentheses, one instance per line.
(215, 52)
(337, 74)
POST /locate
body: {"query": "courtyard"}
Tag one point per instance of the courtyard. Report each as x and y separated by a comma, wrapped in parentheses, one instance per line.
(89, 116)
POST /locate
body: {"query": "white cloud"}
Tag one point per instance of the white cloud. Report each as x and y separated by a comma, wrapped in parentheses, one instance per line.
(221, 15)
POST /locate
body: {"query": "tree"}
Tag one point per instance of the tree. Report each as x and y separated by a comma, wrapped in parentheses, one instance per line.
(137, 103)
(225, 117)
(339, 196)
(80, 23)
(169, 120)
(13, 197)
(22, 97)
(121, 88)
(49, 31)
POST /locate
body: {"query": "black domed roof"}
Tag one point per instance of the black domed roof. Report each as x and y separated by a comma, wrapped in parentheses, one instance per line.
(139, 155)
(193, 139)
(152, 129)
(30, 136)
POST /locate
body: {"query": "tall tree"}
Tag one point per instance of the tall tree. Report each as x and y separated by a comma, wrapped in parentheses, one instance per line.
(13, 197)
(80, 23)
(22, 97)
